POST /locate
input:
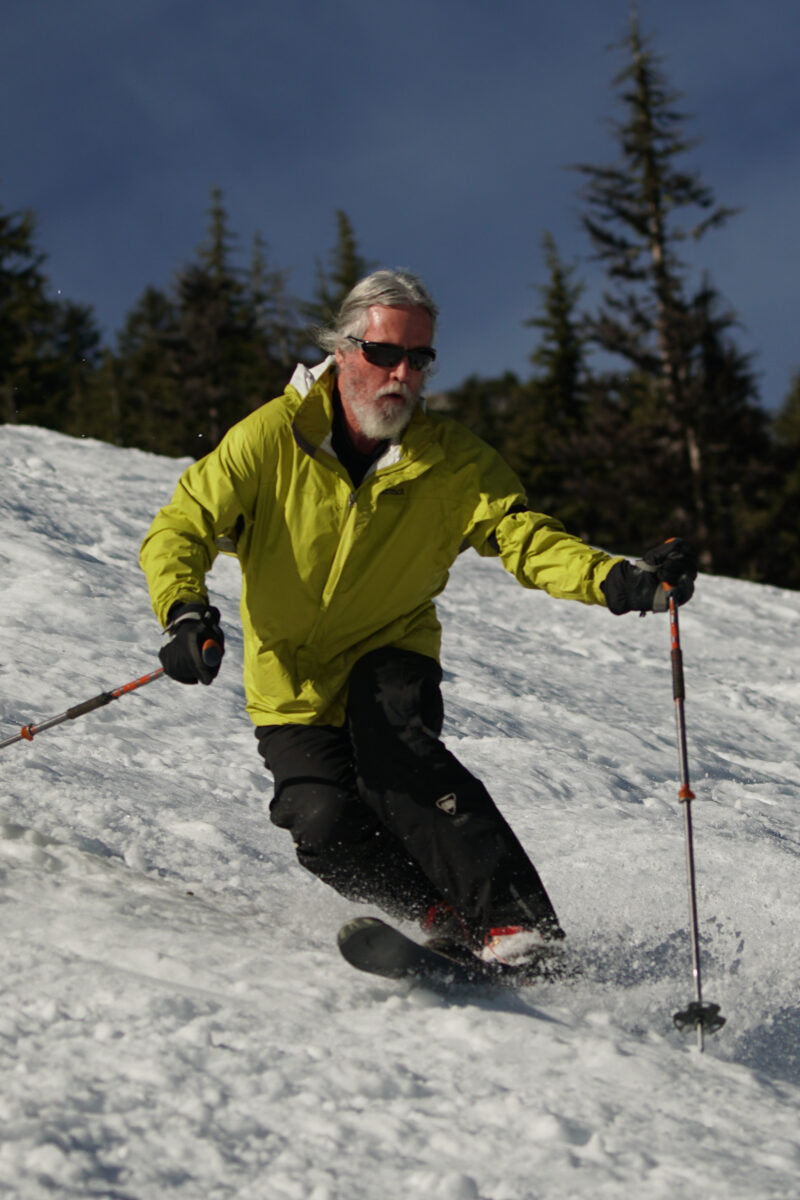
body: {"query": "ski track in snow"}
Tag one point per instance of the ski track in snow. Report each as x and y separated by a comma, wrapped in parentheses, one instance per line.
(175, 1018)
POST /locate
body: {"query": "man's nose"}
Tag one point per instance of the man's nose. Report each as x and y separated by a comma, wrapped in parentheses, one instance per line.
(402, 370)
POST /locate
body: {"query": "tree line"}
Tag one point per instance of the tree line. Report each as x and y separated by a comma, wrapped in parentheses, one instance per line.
(670, 439)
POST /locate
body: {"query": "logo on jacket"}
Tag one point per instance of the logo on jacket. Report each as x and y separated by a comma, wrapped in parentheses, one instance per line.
(448, 804)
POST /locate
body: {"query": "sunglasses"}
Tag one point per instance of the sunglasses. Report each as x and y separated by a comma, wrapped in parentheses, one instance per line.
(387, 354)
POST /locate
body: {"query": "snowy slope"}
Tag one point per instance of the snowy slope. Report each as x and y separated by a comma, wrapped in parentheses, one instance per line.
(175, 1020)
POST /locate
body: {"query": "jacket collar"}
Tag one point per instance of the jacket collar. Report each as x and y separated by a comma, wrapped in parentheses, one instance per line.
(304, 378)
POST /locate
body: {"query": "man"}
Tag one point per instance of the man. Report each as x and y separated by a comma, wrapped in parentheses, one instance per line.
(347, 504)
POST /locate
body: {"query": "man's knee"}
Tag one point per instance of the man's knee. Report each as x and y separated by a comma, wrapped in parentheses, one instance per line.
(320, 817)
(316, 795)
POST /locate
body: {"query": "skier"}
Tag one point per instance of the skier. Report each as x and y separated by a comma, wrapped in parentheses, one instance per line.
(346, 504)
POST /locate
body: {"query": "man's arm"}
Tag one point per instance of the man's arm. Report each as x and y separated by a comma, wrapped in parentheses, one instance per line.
(211, 500)
(539, 553)
(537, 550)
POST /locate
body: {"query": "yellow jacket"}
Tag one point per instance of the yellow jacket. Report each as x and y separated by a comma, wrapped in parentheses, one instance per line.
(329, 573)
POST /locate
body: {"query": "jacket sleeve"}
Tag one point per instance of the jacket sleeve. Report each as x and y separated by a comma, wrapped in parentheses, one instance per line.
(539, 553)
(213, 499)
(535, 548)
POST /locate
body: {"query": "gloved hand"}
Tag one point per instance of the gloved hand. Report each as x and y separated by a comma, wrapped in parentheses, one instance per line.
(196, 646)
(631, 586)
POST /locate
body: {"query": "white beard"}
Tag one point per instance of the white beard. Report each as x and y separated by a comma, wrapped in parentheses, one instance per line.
(388, 419)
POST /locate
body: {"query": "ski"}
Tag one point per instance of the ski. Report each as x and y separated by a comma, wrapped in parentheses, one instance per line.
(372, 945)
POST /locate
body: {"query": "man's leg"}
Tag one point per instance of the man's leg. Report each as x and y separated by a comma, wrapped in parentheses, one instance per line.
(337, 836)
(441, 813)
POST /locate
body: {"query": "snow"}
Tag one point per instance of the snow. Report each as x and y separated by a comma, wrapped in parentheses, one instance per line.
(175, 1017)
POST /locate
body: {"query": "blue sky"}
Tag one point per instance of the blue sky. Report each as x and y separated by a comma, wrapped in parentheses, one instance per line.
(443, 128)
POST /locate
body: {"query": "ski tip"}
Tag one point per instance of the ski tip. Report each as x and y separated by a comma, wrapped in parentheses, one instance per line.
(358, 925)
(376, 947)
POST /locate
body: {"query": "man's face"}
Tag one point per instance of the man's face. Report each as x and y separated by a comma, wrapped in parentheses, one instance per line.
(378, 402)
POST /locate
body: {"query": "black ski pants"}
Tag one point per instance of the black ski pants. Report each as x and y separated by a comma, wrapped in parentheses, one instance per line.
(383, 812)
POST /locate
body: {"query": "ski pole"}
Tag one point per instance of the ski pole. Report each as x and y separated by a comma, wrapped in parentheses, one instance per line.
(28, 732)
(705, 1018)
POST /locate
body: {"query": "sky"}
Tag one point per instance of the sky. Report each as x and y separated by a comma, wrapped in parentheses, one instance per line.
(445, 129)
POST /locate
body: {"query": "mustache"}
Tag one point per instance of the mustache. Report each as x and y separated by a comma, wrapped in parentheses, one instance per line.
(396, 389)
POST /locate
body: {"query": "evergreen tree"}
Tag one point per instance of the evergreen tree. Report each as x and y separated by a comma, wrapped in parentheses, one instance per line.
(347, 267)
(635, 219)
(141, 381)
(273, 311)
(48, 347)
(24, 317)
(559, 357)
(193, 361)
(485, 405)
(779, 542)
(214, 331)
(609, 482)
(71, 372)
(787, 422)
(206, 353)
(214, 252)
(541, 432)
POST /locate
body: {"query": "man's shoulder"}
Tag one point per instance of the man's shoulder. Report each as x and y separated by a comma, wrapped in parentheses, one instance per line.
(266, 420)
(454, 434)
(279, 412)
(468, 457)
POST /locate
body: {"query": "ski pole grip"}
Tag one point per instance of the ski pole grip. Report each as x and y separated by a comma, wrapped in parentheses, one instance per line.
(676, 657)
(211, 653)
(678, 685)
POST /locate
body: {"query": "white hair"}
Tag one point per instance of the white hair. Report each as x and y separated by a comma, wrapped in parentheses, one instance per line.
(392, 289)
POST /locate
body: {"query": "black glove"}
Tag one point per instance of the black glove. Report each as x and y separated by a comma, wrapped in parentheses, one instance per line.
(629, 587)
(196, 646)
